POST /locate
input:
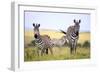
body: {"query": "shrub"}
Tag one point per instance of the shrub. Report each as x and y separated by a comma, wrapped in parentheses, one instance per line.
(79, 45)
(86, 44)
(32, 43)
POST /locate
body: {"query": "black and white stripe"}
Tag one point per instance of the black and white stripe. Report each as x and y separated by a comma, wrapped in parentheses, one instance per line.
(39, 43)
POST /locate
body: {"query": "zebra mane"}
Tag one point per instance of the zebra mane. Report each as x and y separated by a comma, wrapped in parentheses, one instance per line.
(63, 31)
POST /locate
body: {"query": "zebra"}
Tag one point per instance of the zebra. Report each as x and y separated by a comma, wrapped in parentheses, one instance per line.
(43, 42)
(72, 35)
(59, 42)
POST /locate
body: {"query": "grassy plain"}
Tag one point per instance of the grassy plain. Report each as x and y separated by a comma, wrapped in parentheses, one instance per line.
(62, 53)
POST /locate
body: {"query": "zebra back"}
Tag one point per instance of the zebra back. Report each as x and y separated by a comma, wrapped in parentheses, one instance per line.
(59, 42)
(43, 42)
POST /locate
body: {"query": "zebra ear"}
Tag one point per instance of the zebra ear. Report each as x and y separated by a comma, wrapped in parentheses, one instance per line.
(34, 24)
(79, 21)
(38, 25)
(74, 21)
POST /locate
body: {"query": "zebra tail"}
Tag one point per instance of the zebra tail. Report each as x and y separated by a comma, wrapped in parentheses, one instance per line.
(63, 31)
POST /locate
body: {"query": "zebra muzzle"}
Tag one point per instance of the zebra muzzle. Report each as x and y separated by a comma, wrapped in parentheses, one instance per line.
(35, 35)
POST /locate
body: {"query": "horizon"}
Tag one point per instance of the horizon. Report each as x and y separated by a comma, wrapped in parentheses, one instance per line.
(52, 30)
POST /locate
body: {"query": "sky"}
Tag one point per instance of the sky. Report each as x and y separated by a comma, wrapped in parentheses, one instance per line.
(56, 21)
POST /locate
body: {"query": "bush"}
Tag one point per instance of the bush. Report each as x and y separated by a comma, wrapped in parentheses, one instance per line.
(79, 45)
(86, 44)
(32, 43)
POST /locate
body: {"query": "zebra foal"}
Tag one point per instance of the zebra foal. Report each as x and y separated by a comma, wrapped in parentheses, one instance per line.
(59, 42)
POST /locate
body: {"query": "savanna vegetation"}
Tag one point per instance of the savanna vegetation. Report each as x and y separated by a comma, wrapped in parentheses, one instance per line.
(59, 53)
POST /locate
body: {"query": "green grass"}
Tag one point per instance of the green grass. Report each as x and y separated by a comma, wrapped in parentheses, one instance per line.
(62, 53)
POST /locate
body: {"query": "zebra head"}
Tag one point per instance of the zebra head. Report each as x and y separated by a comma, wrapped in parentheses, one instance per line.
(36, 30)
(76, 26)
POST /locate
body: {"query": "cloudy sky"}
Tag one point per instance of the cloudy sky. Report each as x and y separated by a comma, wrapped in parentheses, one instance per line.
(56, 21)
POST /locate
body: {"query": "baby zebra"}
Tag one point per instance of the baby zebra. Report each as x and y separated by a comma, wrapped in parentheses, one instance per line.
(73, 35)
(43, 43)
(59, 42)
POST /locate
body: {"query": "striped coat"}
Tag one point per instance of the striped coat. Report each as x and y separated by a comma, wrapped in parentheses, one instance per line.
(43, 43)
(72, 35)
(59, 42)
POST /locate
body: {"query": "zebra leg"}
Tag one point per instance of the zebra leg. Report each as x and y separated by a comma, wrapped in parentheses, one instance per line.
(75, 46)
(46, 51)
(42, 52)
(51, 50)
(74, 49)
(38, 52)
(71, 48)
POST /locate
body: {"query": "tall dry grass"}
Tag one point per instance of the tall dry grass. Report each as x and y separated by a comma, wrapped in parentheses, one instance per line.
(60, 53)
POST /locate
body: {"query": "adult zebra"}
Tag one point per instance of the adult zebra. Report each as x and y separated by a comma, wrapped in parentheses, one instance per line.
(72, 35)
(43, 42)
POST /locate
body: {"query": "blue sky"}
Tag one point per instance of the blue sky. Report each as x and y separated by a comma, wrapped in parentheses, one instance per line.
(56, 21)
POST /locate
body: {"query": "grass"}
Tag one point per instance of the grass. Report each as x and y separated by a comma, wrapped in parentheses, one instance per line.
(62, 53)
(59, 54)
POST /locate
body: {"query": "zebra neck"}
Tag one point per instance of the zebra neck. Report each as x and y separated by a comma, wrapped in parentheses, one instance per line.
(38, 39)
(74, 34)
